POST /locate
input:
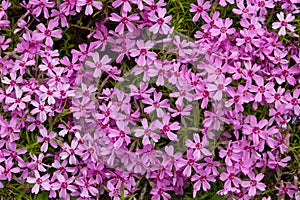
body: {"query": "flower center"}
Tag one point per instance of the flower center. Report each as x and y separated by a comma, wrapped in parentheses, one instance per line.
(223, 30)
(47, 33)
(160, 21)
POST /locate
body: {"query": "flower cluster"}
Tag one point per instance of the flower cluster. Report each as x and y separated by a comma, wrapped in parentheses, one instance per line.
(67, 130)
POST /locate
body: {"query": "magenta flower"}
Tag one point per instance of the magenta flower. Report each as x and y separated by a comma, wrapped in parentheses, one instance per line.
(89, 5)
(126, 7)
(200, 9)
(143, 52)
(222, 28)
(261, 89)
(37, 162)
(121, 134)
(294, 101)
(41, 5)
(161, 22)
(202, 178)
(254, 183)
(283, 23)
(48, 33)
(63, 185)
(46, 139)
(124, 21)
(8, 171)
(243, 10)
(230, 154)
(160, 70)
(39, 182)
(230, 177)
(86, 186)
(71, 152)
(147, 132)
(256, 129)
(13, 82)
(99, 65)
(198, 146)
(248, 40)
(156, 104)
(166, 127)
(18, 101)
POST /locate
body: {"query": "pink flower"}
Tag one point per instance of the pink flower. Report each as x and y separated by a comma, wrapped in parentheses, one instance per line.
(147, 132)
(167, 128)
(254, 183)
(283, 23)
(120, 134)
(203, 180)
(63, 185)
(200, 9)
(126, 4)
(41, 109)
(161, 22)
(99, 65)
(143, 52)
(8, 171)
(18, 101)
(41, 5)
(39, 182)
(243, 10)
(256, 129)
(230, 177)
(71, 152)
(161, 70)
(156, 104)
(48, 33)
(89, 4)
(124, 20)
(46, 139)
(12, 82)
(248, 40)
(198, 146)
(222, 28)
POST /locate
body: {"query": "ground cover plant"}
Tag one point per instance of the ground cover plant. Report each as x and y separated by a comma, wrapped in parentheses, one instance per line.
(146, 99)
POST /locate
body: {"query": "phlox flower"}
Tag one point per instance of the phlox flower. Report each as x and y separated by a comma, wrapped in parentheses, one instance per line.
(254, 183)
(255, 129)
(222, 28)
(202, 178)
(8, 170)
(248, 40)
(39, 182)
(49, 32)
(124, 20)
(41, 5)
(243, 10)
(12, 82)
(198, 146)
(156, 104)
(143, 52)
(18, 101)
(71, 152)
(63, 184)
(166, 127)
(230, 177)
(99, 65)
(89, 5)
(147, 132)
(283, 23)
(126, 7)
(46, 139)
(161, 22)
(200, 9)
(120, 134)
